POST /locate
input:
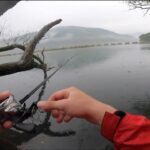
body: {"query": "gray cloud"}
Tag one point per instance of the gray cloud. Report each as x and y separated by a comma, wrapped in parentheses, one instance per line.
(28, 16)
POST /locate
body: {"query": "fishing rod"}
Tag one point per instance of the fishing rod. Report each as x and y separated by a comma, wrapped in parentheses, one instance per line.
(16, 111)
(40, 84)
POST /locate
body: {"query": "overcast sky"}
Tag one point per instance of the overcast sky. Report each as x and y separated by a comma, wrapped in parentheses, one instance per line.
(28, 16)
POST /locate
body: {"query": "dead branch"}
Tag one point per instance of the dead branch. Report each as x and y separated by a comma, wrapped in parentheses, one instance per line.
(10, 47)
(144, 5)
(26, 62)
(22, 47)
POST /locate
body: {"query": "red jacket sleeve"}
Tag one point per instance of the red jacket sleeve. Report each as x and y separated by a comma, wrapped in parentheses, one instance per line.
(129, 133)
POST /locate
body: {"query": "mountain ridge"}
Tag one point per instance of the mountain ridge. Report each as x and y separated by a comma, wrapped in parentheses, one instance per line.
(76, 35)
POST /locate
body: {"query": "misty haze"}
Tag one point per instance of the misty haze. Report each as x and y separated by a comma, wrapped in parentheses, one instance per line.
(107, 44)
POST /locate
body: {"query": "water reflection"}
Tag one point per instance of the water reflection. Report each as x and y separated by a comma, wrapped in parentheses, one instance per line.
(42, 127)
(112, 74)
(145, 46)
(142, 105)
(18, 138)
(82, 57)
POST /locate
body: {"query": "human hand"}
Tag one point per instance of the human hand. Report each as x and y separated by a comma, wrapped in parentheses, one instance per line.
(6, 124)
(72, 102)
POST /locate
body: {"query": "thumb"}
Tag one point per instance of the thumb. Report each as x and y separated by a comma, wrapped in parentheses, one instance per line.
(50, 105)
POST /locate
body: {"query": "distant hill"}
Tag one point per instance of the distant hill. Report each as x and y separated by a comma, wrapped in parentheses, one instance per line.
(145, 38)
(65, 36)
(74, 35)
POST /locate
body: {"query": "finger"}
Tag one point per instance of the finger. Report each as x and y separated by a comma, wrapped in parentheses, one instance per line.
(7, 124)
(51, 105)
(59, 95)
(55, 113)
(67, 118)
(60, 118)
(4, 95)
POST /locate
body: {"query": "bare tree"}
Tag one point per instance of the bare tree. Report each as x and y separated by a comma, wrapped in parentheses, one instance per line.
(145, 5)
(27, 61)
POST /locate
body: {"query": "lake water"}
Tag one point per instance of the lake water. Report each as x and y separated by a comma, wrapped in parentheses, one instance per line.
(118, 75)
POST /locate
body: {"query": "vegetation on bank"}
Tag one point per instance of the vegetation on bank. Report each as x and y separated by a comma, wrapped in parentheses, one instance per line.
(145, 38)
(91, 45)
(76, 47)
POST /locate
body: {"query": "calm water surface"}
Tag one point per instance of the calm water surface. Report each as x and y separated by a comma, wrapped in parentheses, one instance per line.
(118, 75)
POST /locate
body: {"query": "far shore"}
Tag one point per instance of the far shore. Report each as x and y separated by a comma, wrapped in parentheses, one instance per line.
(79, 46)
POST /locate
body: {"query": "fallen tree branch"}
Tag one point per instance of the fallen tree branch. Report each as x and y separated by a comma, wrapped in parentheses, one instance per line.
(26, 62)
(22, 47)
(10, 47)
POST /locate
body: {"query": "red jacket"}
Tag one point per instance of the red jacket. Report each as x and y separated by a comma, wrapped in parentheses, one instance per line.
(131, 132)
